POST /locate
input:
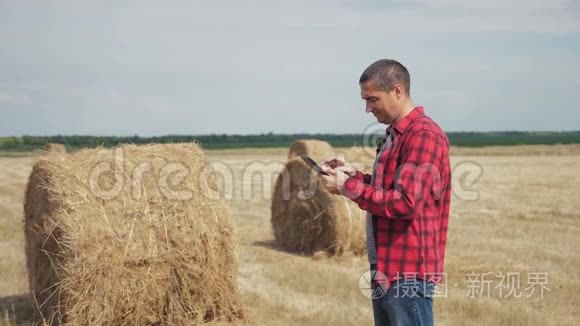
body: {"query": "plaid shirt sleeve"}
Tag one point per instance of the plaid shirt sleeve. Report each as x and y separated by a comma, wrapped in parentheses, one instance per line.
(363, 177)
(417, 176)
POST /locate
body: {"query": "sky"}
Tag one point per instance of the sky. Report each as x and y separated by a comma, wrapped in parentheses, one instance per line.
(247, 67)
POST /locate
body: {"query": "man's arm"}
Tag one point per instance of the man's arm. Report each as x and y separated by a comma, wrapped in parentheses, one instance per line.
(363, 177)
(417, 177)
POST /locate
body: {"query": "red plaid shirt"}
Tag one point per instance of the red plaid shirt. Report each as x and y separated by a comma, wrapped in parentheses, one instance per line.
(409, 199)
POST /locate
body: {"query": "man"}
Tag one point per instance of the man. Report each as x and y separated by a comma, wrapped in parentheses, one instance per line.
(407, 198)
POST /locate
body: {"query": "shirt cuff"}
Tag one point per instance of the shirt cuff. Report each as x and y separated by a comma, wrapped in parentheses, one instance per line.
(352, 188)
(358, 175)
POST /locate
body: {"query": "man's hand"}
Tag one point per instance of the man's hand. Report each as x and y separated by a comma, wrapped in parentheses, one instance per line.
(341, 165)
(335, 179)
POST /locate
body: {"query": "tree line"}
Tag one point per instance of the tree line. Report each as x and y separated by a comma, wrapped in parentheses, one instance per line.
(223, 141)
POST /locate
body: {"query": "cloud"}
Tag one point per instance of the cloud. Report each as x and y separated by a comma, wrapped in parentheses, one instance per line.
(458, 98)
(456, 16)
(155, 67)
(11, 98)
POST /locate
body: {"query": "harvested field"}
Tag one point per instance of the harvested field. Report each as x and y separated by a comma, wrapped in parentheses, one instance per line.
(520, 217)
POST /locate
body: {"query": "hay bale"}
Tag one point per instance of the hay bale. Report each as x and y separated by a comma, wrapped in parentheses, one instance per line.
(52, 147)
(317, 149)
(133, 244)
(306, 218)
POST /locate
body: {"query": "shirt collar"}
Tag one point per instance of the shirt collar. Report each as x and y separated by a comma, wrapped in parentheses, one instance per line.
(401, 125)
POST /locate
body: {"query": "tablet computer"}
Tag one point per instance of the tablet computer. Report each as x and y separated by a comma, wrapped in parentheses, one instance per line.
(313, 165)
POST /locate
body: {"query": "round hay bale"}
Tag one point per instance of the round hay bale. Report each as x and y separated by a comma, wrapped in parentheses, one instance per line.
(52, 147)
(306, 218)
(317, 149)
(129, 237)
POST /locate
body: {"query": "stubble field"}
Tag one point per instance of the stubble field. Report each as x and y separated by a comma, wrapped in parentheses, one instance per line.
(511, 254)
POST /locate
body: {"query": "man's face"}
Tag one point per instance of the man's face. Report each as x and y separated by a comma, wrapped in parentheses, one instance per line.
(383, 105)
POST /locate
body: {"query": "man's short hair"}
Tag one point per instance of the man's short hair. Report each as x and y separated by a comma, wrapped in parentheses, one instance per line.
(386, 73)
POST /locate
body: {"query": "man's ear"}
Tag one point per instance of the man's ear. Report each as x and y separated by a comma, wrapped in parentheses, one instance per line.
(398, 91)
